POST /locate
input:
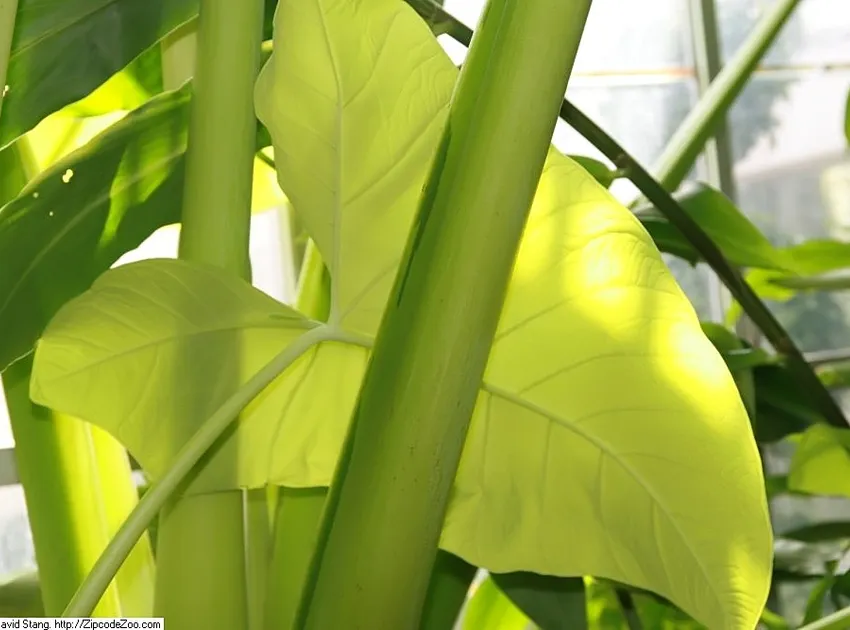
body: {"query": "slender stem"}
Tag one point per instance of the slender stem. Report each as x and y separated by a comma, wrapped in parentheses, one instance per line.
(690, 138)
(420, 387)
(57, 469)
(836, 621)
(299, 510)
(729, 274)
(202, 544)
(161, 491)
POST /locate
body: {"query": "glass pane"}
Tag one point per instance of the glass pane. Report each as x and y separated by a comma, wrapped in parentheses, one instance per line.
(791, 172)
(647, 41)
(16, 550)
(817, 33)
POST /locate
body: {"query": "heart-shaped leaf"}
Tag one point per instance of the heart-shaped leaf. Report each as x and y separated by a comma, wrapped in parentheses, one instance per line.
(130, 337)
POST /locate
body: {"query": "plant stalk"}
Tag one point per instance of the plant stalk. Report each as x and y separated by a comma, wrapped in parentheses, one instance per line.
(58, 472)
(299, 510)
(670, 208)
(839, 620)
(690, 138)
(419, 390)
(201, 551)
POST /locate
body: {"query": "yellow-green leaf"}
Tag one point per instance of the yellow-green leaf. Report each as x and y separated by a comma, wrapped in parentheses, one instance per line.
(354, 96)
(606, 409)
(115, 356)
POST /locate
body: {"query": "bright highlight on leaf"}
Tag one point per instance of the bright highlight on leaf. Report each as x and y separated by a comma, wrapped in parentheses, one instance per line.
(609, 438)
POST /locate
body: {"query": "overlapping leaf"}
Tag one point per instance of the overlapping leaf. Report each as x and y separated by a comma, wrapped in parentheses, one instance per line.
(129, 340)
(77, 218)
(54, 62)
(609, 438)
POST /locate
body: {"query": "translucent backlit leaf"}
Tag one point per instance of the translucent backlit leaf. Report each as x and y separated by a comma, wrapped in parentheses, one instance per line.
(115, 355)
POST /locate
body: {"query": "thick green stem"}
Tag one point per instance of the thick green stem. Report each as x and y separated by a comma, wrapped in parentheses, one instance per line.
(419, 390)
(299, 510)
(56, 466)
(670, 208)
(690, 138)
(76, 480)
(201, 548)
(257, 551)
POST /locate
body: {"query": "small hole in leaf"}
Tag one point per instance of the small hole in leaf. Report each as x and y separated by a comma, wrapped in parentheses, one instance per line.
(35, 195)
(6, 89)
(67, 175)
(50, 214)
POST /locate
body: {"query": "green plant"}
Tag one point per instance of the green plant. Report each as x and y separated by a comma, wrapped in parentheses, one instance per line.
(469, 296)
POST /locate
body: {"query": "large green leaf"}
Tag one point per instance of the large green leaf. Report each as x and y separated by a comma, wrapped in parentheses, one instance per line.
(78, 217)
(740, 241)
(64, 49)
(659, 485)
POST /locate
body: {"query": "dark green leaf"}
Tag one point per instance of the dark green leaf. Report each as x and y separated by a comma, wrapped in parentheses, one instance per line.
(77, 218)
(740, 241)
(552, 603)
(451, 578)
(64, 49)
(782, 407)
(59, 235)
